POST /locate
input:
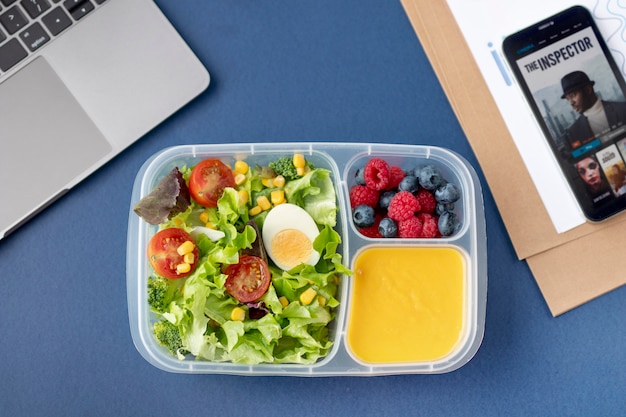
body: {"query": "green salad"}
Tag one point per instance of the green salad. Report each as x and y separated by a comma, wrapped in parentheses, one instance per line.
(245, 262)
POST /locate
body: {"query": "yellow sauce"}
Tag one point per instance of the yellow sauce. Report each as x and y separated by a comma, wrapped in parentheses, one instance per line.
(406, 305)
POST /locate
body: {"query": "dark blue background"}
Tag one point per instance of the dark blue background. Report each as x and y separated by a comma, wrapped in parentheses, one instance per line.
(322, 70)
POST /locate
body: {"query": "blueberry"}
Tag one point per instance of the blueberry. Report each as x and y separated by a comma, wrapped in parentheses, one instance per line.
(363, 216)
(415, 171)
(443, 207)
(409, 183)
(385, 198)
(448, 193)
(449, 223)
(430, 177)
(359, 176)
(388, 228)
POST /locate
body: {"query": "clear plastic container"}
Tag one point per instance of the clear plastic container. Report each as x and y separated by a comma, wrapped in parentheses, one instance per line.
(343, 160)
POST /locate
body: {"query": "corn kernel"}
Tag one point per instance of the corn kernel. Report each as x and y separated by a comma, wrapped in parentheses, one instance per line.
(321, 300)
(243, 197)
(189, 258)
(204, 216)
(255, 210)
(300, 171)
(183, 268)
(279, 181)
(241, 167)
(283, 301)
(298, 160)
(238, 314)
(263, 202)
(277, 197)
(268, 182)
(210, 225)
(186, 247)
(177, 221)
(307, 296)
(240, 179)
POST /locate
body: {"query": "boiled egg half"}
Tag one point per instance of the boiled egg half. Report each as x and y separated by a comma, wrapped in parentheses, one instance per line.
(288, 234)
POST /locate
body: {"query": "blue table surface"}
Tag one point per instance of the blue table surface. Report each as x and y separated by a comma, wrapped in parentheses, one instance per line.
(322, 70)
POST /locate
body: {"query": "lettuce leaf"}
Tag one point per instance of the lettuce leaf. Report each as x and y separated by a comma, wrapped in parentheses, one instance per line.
(316, 194)
(168, 198)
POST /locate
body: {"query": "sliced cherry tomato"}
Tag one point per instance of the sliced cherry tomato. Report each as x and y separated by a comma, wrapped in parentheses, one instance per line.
(208, 180)
(164, 253)
(248, 280)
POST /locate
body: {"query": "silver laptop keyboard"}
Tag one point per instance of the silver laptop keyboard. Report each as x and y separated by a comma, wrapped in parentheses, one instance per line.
(27, 25)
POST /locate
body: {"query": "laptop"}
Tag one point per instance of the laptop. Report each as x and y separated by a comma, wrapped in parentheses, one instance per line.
(80, 80)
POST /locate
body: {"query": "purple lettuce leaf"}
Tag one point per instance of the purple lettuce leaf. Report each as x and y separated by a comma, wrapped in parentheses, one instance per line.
(167, 199)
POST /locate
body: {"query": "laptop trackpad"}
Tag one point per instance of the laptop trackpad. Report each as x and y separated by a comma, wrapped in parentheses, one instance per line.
(47, 141)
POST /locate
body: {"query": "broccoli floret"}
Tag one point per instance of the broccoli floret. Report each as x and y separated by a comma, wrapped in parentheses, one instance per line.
(169, 337)
(284, 166)
(161, 292)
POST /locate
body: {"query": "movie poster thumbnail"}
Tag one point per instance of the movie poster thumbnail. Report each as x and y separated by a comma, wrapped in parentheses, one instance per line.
(595, 182)
(614, 169)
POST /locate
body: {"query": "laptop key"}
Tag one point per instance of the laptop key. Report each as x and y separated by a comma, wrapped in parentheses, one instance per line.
(35, 8)
(34, 36)
(13, 20)
(8, 2)
(11, 53)
(56, 21)
(78, 8)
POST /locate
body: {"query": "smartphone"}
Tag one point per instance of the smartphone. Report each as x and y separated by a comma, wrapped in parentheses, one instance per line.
(578, 96)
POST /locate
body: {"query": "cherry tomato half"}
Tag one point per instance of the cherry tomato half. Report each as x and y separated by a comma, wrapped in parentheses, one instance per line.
(248, 280)
(208, 180)
(164, 253)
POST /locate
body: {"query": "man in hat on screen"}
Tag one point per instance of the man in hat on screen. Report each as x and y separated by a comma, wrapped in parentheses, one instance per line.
(596, 116)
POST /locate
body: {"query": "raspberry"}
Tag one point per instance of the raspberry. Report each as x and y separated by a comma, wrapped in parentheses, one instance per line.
(376, 174)
(396, 174)
(429, 225)
(360, 194)
(428, 204)
(403, 206)
(410, 228)
(372, 231)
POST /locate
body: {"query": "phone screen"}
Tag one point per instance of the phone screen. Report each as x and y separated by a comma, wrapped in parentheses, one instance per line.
(577, 94)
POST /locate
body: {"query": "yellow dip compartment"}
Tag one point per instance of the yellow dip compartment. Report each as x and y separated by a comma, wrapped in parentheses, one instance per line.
(407, 304)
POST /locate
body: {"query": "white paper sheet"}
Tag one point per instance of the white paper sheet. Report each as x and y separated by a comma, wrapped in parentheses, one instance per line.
(485, 23)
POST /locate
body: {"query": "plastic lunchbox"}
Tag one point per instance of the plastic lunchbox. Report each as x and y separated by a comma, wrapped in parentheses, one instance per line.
(343, 160)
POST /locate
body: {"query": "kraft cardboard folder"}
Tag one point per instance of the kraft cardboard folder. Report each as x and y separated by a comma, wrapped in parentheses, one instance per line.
(570, 268)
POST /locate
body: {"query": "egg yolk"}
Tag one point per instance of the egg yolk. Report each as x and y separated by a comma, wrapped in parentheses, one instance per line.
(291, 247)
